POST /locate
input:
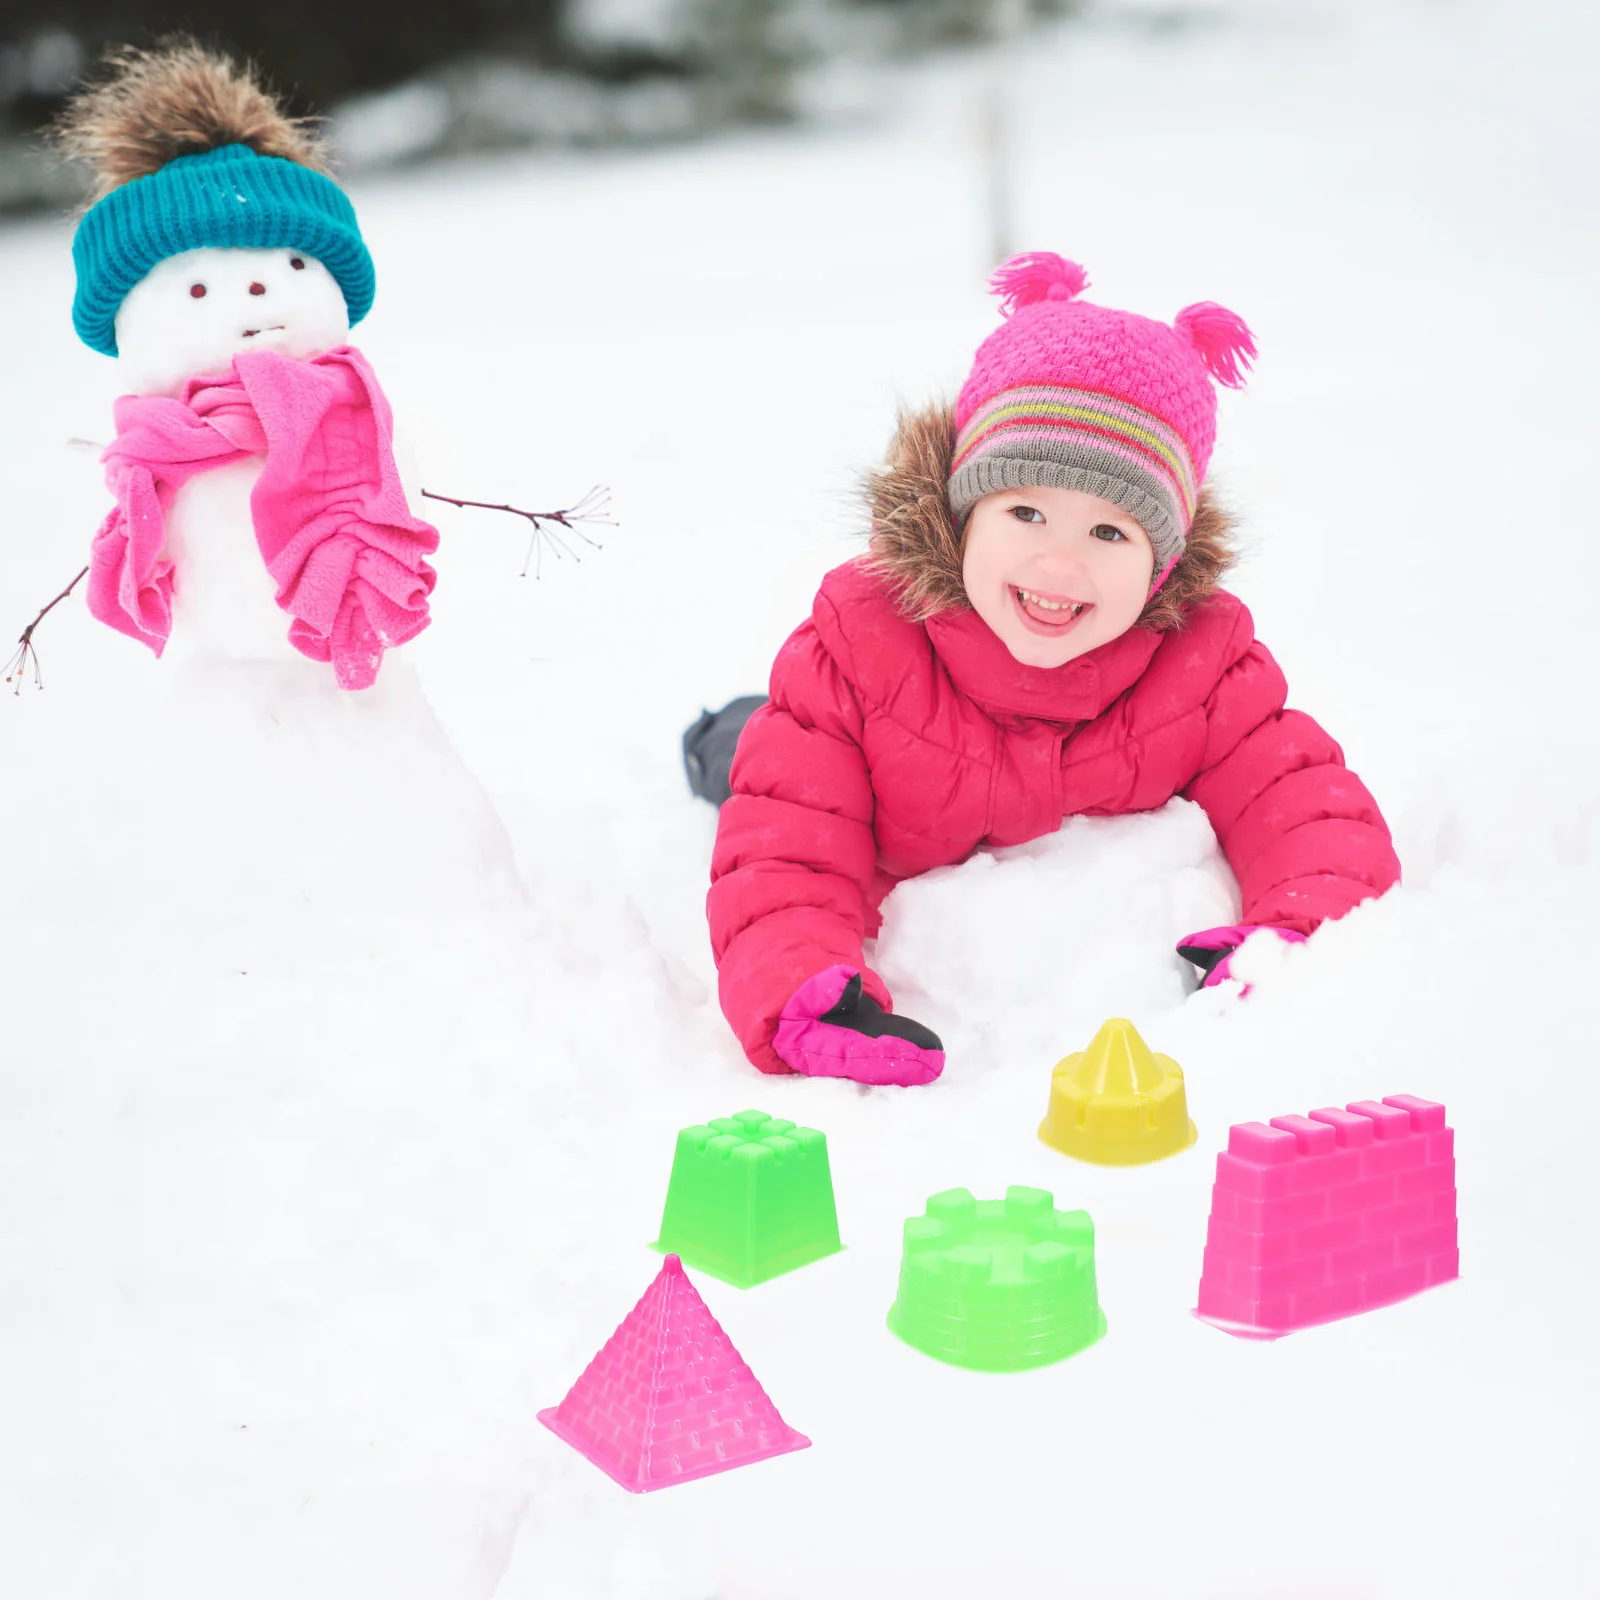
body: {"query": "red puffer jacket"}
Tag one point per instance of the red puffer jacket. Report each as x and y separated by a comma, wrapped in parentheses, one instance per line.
(889, 747)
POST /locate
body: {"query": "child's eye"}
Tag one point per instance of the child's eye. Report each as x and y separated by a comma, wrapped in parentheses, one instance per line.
(197, 291)
(297, 263)
(1107, 531)
(1027, 514)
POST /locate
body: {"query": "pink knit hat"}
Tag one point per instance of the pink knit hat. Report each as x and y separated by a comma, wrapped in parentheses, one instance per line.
(1069, 395)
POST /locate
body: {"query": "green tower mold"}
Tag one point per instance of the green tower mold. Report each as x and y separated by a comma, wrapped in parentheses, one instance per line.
(998, 1285)
(750, 1198)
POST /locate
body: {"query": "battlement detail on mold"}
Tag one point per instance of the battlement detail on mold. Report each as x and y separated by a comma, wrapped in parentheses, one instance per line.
(1330, 1214)
(998, 1284)
(750, 1197)
(752, 1136)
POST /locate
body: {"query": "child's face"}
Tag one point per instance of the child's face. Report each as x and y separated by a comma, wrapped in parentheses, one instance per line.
(1055, 572)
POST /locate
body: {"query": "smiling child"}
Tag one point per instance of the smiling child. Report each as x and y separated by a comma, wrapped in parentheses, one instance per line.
(1037, 632)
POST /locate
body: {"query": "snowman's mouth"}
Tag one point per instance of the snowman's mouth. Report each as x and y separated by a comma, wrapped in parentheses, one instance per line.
(250, 333)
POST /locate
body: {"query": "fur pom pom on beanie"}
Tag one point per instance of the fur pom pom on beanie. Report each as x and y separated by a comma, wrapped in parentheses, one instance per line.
(1073, 395)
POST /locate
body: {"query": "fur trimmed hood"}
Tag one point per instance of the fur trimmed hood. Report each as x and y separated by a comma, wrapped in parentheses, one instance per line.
(915, 545)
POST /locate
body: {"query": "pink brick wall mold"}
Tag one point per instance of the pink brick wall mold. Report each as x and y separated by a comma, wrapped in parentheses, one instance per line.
(1320, 1217)
(668, 1398)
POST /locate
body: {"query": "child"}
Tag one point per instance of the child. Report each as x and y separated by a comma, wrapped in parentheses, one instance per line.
(1036, 633)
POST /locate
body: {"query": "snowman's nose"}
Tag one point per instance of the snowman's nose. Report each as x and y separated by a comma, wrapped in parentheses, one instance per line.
(258, 288)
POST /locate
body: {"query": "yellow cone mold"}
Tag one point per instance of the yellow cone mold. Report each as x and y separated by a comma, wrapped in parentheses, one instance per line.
(1117, 1103)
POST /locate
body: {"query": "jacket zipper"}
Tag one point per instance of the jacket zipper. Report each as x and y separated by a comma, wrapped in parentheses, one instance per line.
(994, 780)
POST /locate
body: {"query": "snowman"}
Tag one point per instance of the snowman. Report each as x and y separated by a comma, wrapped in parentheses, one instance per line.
(258, 507)
(259, 524)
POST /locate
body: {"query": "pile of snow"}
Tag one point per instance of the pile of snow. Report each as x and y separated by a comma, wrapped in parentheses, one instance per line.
(1075, 927)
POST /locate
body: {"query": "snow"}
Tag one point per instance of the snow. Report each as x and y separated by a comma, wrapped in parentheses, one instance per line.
(1143, 875)
(167, 333)
(307, 1209)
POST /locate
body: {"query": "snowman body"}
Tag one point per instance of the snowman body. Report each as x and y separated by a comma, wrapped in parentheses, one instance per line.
(223, 600)
(278, 788)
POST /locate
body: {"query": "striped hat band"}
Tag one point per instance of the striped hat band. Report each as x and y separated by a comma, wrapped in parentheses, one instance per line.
(1079, 439)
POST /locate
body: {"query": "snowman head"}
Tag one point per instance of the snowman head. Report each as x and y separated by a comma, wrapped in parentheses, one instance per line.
(216, 228)
(192, 313)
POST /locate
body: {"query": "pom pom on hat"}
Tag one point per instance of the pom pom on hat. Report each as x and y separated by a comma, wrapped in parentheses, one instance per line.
(1220, 338)
(1036, 275)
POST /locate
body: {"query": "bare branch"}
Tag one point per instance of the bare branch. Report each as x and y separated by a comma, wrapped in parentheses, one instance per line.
(592, 509)
(26, 657)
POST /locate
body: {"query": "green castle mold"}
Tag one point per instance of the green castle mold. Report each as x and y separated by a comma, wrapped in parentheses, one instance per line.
(998, 1285)
(750, 1198)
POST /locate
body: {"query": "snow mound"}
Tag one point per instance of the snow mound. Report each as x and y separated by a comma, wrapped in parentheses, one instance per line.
(965, 948)
(248, 790)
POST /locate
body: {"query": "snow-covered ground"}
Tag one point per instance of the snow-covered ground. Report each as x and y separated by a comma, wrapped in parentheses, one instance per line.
(303, 1216)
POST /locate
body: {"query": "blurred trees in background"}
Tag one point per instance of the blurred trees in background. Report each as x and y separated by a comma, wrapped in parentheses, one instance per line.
(408, 78)
(316, 51)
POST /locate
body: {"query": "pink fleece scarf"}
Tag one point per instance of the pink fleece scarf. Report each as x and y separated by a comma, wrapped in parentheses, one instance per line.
(330, 517)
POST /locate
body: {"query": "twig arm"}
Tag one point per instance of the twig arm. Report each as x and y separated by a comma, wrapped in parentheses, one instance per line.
(591, 508)
(25, 655)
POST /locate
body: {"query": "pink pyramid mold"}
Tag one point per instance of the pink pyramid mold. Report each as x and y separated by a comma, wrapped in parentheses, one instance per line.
(1321, 1217)
(668, 1398)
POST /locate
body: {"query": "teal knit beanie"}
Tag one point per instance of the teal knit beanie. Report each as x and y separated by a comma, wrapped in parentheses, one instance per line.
(229, 196)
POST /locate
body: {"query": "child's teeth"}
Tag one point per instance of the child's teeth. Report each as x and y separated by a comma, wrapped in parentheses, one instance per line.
(1074, 606)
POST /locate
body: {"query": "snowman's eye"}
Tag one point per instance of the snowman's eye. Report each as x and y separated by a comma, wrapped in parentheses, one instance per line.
(197, 291)
(297, 263)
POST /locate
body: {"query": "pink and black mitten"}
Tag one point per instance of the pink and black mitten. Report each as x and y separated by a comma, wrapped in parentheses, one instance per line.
(831, 1029)
(1213, 950)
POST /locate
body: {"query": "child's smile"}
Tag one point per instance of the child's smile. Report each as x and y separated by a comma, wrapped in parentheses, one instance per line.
(1050, 615)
